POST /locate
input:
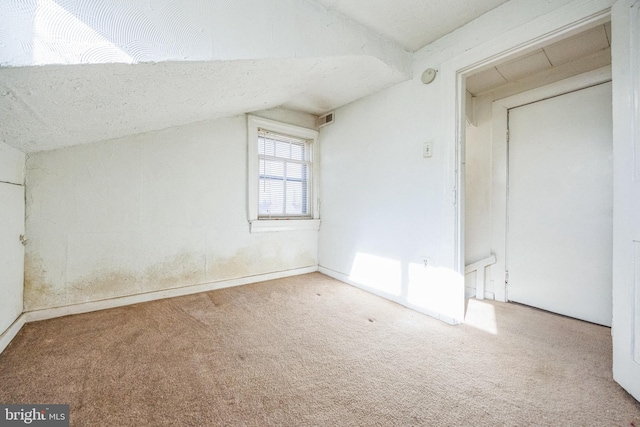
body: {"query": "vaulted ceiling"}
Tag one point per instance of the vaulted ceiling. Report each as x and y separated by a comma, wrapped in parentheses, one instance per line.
(412, 24)
(77, 71)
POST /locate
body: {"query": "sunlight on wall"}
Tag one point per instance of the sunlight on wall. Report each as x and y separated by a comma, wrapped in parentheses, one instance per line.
(60, 37)
(481, 315)
(382, 274)
(436, 289)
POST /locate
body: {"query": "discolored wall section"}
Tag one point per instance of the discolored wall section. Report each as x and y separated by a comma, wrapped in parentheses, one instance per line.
(148, 212)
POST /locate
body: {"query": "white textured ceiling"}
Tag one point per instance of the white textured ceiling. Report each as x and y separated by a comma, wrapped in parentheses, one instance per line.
(77, 71)
(412, 23)
(53, 106)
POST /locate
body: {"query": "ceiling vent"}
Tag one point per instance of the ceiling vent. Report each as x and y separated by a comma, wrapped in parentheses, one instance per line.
(327, 119)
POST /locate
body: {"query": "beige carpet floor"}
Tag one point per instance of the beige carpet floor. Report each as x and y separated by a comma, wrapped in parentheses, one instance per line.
(312, 351)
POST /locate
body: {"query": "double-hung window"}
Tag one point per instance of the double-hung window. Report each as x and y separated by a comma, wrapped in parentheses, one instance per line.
(284, 189)
(283, 176)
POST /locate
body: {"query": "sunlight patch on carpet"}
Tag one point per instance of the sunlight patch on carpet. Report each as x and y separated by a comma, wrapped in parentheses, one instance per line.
(481, 315)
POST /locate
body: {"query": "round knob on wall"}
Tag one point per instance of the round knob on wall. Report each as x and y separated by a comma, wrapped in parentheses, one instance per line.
(428, 76)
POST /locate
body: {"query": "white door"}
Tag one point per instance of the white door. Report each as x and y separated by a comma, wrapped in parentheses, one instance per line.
(625, 45)
(11, 253)
(559, 235)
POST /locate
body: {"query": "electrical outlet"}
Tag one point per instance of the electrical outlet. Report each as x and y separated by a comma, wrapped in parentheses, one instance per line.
(427, 261)
(427, 149)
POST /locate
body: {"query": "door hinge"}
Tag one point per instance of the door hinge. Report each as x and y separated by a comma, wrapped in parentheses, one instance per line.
(507, 135)
(506, 285)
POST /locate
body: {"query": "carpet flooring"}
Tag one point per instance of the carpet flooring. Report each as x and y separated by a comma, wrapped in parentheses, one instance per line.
(312, 351)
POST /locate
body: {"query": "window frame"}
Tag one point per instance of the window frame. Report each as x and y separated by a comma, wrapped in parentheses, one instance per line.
(257, 224)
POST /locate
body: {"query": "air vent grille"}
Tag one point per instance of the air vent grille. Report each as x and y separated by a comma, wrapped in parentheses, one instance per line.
(326, 119)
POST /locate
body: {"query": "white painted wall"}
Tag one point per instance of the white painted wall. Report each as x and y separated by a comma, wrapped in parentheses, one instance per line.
(148, 212)
(387, 207)
(478, 183)
(382, 202)
(477, 208)
(12, 164)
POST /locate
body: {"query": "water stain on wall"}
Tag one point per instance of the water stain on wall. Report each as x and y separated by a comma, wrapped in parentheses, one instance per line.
(256, 260)
(182, 270)
(38, 292)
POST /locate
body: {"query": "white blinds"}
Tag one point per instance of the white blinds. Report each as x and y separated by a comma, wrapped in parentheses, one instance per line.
(284, 175)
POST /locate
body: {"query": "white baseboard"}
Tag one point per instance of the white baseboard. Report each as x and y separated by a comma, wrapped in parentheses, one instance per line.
(86, 307)
(11, 332)
(402, 301)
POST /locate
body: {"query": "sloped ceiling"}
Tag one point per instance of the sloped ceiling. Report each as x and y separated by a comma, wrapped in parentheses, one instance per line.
(412, 24)
(77, 71)
(54, 106)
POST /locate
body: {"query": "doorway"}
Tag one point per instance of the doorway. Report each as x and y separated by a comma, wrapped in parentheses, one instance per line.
(625, 15)
(547, 71)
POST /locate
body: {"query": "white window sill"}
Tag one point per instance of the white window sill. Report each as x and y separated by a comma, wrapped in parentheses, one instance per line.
(264, 225)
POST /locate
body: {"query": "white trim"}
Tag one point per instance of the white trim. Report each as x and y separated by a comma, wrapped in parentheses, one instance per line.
(565, 21)
(499, 165)
(571, 84)
(345, 279)
(11, 332)
(479, 267)
(50, 313)
(625, 54)
(258, 226)
(253, 124)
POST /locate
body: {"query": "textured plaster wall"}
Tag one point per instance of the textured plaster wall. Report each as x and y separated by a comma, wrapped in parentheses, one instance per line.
(148, 212)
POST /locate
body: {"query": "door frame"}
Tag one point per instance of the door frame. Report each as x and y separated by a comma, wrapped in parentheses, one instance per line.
(500, 163)
(565, 21)
(625, 33)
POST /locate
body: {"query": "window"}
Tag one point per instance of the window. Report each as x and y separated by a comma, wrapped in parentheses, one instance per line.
(284, 188)
(283, 176)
